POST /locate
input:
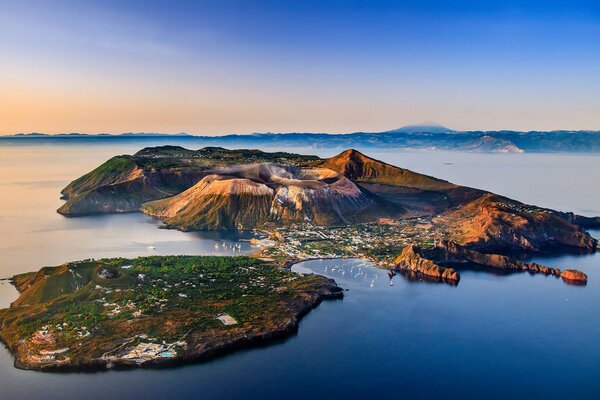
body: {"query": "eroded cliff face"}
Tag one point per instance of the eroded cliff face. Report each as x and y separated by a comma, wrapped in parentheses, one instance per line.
(122, 185)
(494, 223)
(248, 197)
(429, 262)
(414, 259)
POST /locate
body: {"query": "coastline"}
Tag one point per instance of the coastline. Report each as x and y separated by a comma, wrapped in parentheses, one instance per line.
(241, 343)
(199, 345)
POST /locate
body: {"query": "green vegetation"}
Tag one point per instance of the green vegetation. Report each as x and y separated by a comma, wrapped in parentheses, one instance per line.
(110, 172)
(91, 308)
(124, 183)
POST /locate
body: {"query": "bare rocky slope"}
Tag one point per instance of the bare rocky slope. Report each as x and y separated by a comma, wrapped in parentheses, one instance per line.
(216, 188)
(124, 183)
(249, 196)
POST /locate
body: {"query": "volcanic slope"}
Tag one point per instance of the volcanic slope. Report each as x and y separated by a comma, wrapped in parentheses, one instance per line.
(124, 183)
(242, 197)
(415, 193)
(215, 188)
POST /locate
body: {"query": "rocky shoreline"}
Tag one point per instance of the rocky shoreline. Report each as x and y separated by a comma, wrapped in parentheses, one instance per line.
(43, 350)
(207, 349)
(430, 262)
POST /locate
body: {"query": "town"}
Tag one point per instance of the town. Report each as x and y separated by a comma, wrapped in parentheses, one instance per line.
(379, 242)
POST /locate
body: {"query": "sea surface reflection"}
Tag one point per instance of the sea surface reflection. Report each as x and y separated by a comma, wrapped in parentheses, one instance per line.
(492, 336)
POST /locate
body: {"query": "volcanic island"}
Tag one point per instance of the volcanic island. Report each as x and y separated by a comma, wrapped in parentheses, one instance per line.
(167, 310)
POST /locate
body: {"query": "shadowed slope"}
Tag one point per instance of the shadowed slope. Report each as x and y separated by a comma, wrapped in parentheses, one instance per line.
(124, 183)
(496, 223)
(247, 196)
(357, 167)
(416, 193)
(216, 188)
(215, 203)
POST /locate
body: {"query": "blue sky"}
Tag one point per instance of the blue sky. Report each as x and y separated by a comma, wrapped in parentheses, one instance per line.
(212, 67)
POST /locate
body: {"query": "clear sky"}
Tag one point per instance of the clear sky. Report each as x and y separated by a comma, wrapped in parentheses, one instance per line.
(214, 67)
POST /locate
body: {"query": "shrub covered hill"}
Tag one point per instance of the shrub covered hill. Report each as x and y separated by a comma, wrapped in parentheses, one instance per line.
(153, 311)
(215, 188)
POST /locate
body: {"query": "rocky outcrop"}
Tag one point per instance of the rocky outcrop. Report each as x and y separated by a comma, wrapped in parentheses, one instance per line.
(573, 275)
(449, 251)
(494, 223)
(412, 259)
(429, 262)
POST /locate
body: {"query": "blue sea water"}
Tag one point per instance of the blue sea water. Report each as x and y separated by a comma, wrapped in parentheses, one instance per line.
(492, 336)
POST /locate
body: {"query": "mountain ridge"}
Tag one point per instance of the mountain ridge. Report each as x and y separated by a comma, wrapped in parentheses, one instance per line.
(498, 141)
(214, 188)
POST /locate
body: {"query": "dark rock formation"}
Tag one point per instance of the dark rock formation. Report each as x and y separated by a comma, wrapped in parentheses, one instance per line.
(412, 259)
(428, 262)
(452, 252)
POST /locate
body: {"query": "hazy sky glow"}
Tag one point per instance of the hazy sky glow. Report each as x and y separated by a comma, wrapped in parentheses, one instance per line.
(214, 67)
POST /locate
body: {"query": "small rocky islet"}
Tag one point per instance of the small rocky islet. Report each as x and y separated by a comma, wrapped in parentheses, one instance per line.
(167, 310)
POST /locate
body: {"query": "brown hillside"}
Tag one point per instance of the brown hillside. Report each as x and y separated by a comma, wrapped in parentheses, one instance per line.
(496, 223)
(358, 167)
(416, 193)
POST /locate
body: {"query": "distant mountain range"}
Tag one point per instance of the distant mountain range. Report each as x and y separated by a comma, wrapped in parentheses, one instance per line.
(422, 136)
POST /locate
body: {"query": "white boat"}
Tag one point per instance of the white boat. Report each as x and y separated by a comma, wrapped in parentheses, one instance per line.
(151, 248)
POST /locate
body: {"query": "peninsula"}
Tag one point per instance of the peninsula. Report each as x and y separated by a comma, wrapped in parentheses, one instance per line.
(114, 313)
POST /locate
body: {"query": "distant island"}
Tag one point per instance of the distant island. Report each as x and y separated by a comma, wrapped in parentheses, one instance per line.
(163, 310)
(411, 137)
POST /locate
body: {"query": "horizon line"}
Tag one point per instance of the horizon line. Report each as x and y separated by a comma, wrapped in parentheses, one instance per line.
(188, 134)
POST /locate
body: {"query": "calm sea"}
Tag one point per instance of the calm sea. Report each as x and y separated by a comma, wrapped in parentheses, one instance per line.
(492, 336)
